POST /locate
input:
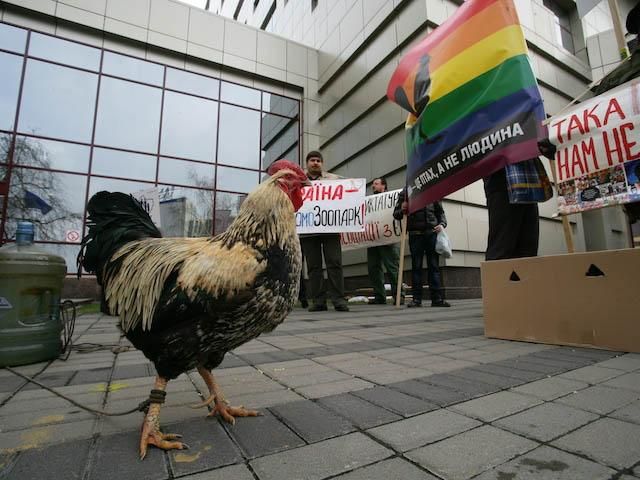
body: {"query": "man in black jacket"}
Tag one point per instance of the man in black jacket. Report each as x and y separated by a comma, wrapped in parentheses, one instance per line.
(423, 227)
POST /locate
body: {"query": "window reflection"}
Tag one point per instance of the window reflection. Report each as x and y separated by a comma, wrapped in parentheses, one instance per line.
(68, 252)
(132, 68)
(183, 172)
(35, 152)
(227, 208)
(279, 139)
(189, 127)
(232, 93)
(192, 83)
(185, 212)
(12, 38)
(239, 139)
(237, 180)
(11, 68)
(278, 104)
(53, 201)
(128, 115)
(63, 51)
(123, 164)
(98, 184)
(58, 102)
(5, 145)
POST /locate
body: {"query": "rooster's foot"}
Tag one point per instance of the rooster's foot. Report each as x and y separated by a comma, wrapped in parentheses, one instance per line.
(164, 441)
(229, 413)
(205, 403)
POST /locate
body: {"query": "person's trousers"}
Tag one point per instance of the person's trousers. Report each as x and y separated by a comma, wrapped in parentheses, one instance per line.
(387, 257)
(513, 228)
(313, 249)
(421, 245)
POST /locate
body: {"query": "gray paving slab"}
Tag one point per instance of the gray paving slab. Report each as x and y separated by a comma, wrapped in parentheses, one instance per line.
(600, 399)
(116, 456)
(488, 378)
(395, 401)
(546, 422)
(233, 472)
(459, 458)
(333, 388)
(592, 374)
(50, 434)
(423, 429)
(311, 421)
(91, 376)
(470, 387)
(57, 379)
(551, 388)
(321, 460)
(549, 464)
(438, 395)
(629, 413)
(395, 468)
(628, 381)
(66, 460)
(628, 362)
(358, 411)
(608, 441)
(263, 435)
(209, 447)
(496, 405)
(524, 375)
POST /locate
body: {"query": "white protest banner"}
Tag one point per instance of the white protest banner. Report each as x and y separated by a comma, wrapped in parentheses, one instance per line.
(380, 228)
(150, 200)
(332, 206)
(598, 151)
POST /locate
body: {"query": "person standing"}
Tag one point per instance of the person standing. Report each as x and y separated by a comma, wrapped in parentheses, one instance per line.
(386, 256)
(423, 226)
(315, 246)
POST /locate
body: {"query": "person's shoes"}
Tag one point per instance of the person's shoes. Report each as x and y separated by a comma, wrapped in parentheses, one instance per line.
(318, 307)
(304, 303)
(341, 307)
(414, 304)
(441, 303)
(377, 301)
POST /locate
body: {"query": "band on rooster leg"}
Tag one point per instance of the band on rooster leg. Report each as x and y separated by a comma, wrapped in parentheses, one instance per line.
(227, 412)
(151, 434)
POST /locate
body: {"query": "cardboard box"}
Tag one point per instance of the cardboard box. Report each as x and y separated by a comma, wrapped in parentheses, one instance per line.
(587, 299)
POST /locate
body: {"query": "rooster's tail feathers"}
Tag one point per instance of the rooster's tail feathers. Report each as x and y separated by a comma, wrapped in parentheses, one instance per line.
(113, 219)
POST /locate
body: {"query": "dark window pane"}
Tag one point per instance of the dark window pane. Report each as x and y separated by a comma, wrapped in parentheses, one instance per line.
(236, 180)
(281, 105)
(189, 127)
(58, 102)
(132, 68)
(227, 208)
(11, 68)
(34, 152)
(279, 139)
(192, 83)
(183, 172)
(185, 212)
(128, 115)
(115, 163)
(98, 184)
(53, 201)
(239, 140)
(63, 51)
(12, 38)
(232, 93)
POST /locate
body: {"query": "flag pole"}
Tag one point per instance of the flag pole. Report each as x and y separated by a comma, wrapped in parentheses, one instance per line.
(618, 29)
(403, 238)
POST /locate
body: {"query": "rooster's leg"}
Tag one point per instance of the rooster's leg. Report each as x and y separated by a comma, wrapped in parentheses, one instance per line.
(151, 434)
(222, 406)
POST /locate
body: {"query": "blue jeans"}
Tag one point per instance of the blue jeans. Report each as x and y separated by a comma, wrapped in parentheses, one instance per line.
(421, 245)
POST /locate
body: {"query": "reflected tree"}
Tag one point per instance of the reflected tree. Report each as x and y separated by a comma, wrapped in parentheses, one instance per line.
(36, 195)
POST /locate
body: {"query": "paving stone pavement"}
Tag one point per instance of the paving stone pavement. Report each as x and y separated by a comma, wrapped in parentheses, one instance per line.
(376, 393)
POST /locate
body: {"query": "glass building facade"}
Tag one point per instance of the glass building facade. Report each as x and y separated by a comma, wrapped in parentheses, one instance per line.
(76, 119)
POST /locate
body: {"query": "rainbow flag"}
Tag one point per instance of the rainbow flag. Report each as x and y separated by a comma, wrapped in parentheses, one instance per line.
(473, 100)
